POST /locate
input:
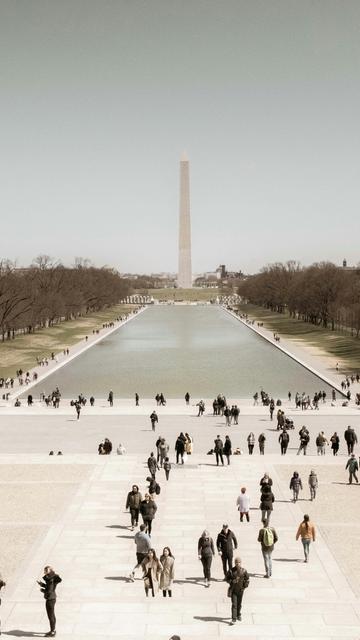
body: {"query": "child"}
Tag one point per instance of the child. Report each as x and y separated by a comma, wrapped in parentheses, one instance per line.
(167, 467)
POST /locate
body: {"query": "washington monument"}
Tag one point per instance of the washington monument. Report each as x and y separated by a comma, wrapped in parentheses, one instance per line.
(184, 275)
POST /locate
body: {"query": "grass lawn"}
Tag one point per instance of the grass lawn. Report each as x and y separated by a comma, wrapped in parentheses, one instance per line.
(191, 295)
(23, 351)
(344, 348)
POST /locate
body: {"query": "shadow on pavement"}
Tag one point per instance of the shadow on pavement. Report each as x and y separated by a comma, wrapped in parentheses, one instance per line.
(23, 634)
(118, 578)
(212, 619)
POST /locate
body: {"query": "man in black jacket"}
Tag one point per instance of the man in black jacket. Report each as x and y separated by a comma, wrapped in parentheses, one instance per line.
(226, 542)
(48, 587)
(238, 579)
(219, 448)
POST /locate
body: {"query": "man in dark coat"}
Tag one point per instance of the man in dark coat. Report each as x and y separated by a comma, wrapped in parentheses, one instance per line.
(284, 441)
(350, 439)
(153, 419)
(180, 448)
(226, 542)
(152, 465)
(218, 449)
(238, 579)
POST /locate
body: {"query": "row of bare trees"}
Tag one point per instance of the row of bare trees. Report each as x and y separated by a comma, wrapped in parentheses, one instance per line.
(323, 294)
(47, 292)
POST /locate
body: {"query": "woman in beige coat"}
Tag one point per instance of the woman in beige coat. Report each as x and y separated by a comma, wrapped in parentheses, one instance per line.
(167, 574)
(189, 444)
(152, 568)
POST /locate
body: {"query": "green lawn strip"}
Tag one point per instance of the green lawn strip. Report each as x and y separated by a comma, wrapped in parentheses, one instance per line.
(24, 349)
(344, 348)
(180, 295)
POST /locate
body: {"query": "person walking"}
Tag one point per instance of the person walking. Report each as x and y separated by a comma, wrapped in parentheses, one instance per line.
(206, 551)
(265, 481)
(167, 467)
(151, 567)
(261, 441)
(148, 510)
(304, 440)
(180, 448)
(335, 443)
(306, 532)
(353, 467)
(243, 504)
(189, 444)
(267, 538)
(284, 440)
(218, 450)
(321, 443)
(350, 439)
(111, 398)
(251, 442)
(226, 542)
(238, 580)
(137, 398)
(187, 397)
(266, 503)
(153, 419)
(227, 449)
(143, 545)
(133, 501)
(313, 484)
(152, 465)
(295, 485)
(167, 572)
(48, 585)
(163, 450)
(77, 406)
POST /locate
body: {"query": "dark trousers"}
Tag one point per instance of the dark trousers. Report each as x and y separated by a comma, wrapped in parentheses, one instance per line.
(352, 474)
(227, 455)
(134, 513)
(219, 455)
(251, 448)
(283, 448)
(50, 610)
(227, 562)
(181, 454)
(148, 524)
(206, 563)
(236, 600)
(167, 471)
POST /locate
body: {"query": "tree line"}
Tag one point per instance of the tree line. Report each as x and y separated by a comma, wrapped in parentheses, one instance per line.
(46, 293)
(323, 294)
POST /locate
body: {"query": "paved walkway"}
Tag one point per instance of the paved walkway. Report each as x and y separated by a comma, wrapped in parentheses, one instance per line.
(92, 548)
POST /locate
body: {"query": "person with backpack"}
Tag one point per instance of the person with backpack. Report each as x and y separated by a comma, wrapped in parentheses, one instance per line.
(267, 538)
(353, 467)
(154, 487)
(266, 503)
(295, 485)
(313, 484)
(284, 440)
(306, 532)
(238, 579)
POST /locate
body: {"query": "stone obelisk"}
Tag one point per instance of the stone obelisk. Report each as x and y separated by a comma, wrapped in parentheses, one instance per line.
(184, 275)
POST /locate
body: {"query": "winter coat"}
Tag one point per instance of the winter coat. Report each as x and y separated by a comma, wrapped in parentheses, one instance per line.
(152, 464)
(48, 586)
(154, 567)
(313, 481)
(206, 546)
(189, 445)
(219, 446)
(265, 482)
(180, 445)
(261, 539)
(226, 542)
(227, 447)
(350, 436)
(167, 573)
(133, 500)
(251, 439)
(238, 582)
(243, 502)
(148, 509)
(295, 483)
(306, 532)
(267, 499)
(352, 465)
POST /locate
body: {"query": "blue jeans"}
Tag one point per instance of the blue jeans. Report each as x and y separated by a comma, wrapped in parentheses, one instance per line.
(267, 561)
(306, 545)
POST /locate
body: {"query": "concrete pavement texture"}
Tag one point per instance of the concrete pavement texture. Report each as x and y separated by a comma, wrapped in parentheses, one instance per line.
(85, 535)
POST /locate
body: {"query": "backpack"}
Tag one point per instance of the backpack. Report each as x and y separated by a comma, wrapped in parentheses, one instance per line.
(157, 489)
(268, 537)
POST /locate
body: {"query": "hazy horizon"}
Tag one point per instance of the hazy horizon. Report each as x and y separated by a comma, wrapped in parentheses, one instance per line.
(100, 99)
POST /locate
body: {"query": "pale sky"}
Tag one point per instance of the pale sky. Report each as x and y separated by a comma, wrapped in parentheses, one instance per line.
(100, 98)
